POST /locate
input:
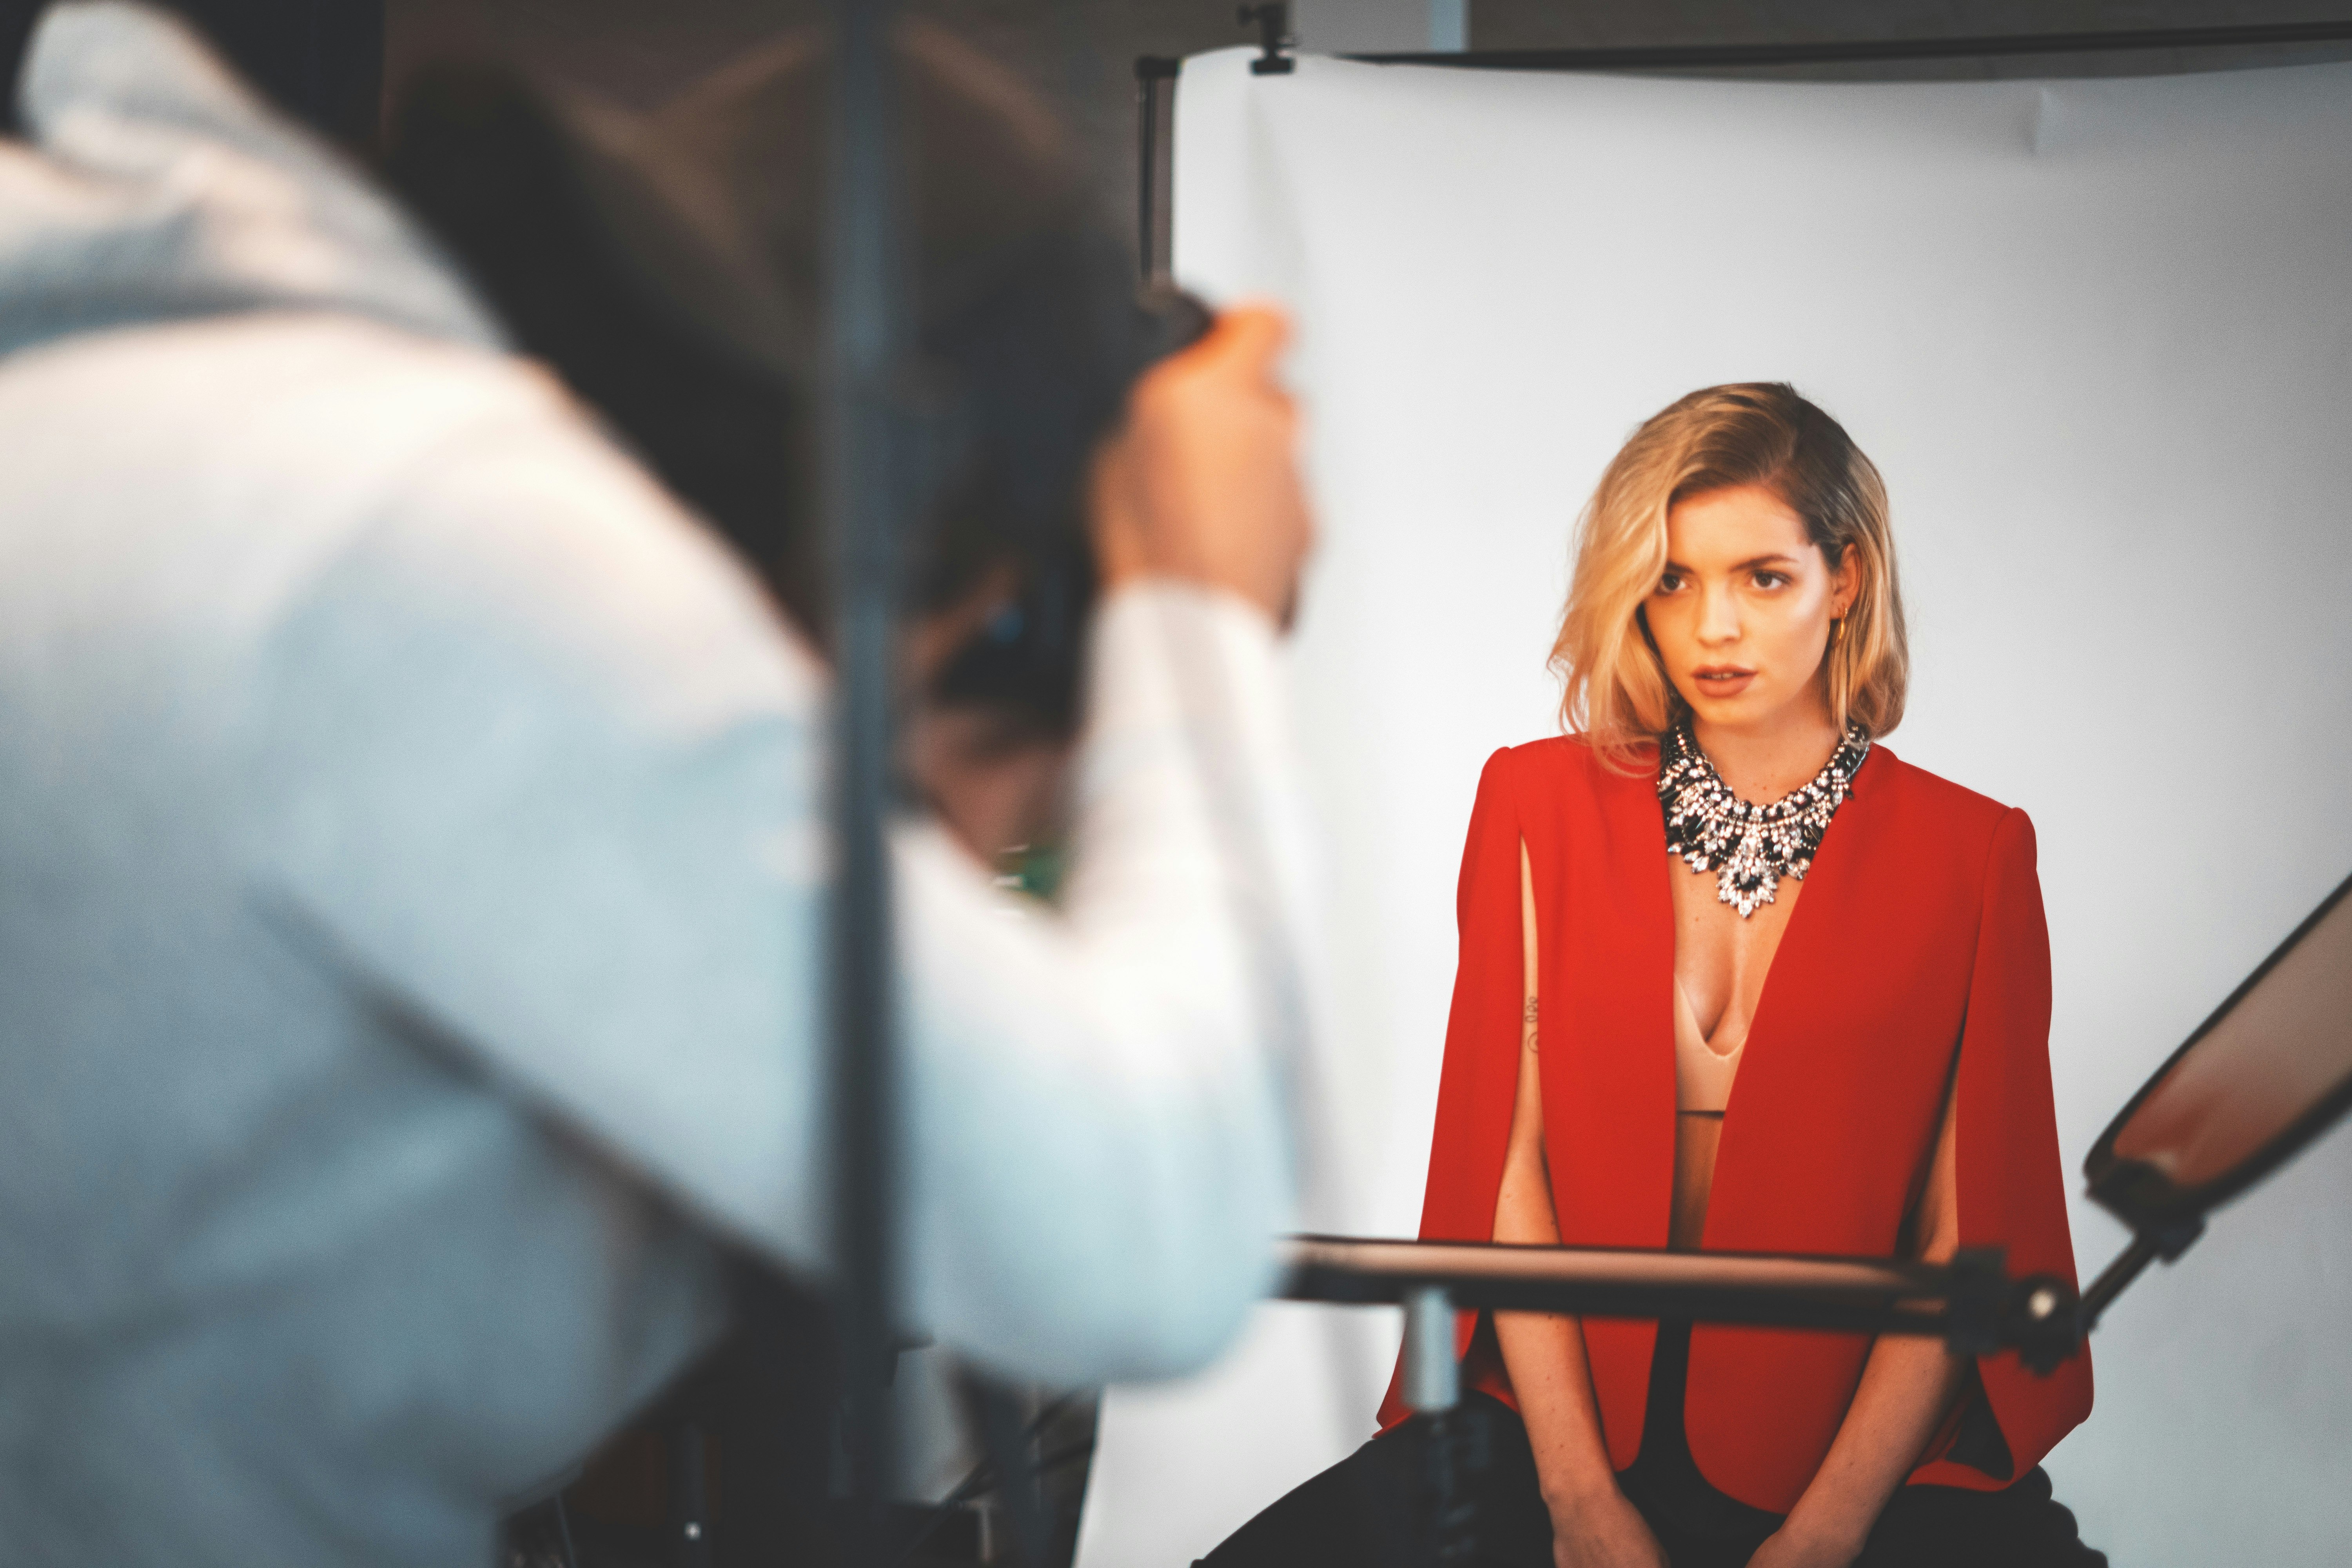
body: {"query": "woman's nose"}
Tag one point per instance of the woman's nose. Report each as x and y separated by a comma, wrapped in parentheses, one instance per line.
(1719, 616)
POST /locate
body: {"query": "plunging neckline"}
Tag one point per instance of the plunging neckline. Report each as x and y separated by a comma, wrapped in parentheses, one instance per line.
(1714, 1065)
(1703, 1076)
(1683, 1001)
(1674, 867)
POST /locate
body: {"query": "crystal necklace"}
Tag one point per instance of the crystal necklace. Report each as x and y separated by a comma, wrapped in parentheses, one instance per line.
(1748, 847)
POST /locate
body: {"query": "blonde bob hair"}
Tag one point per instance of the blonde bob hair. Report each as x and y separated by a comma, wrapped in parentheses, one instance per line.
(1754, 433)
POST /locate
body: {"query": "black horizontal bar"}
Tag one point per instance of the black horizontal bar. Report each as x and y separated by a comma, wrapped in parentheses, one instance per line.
(1358, 1270)
(1673, 57)
(1751, 1309)
(1970, 1303)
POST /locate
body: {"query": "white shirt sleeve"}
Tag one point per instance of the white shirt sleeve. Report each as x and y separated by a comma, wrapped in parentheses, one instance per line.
(1097, 1093)
(538, 775)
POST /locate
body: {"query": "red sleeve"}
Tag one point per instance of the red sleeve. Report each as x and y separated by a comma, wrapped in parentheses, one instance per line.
(2011, 1186)
(1479, 1081)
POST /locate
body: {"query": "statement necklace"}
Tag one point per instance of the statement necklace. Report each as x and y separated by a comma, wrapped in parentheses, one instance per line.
(1748, 847)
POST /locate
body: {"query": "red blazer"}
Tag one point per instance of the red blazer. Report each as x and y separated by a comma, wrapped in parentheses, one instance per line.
(1919, 936)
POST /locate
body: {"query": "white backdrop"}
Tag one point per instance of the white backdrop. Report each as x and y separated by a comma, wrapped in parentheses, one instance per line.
(2098, 335)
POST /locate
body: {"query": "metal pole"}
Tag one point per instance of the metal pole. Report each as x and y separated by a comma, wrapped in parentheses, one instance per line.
(1433, 1378)
(1155, 84)
(1433, 1392)
(1972, 1302)
(2166, 1243)
(1694, 56)
(865, 339)
(689, 1498)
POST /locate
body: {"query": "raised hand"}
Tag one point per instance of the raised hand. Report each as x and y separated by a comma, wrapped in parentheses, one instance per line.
(1202, 482)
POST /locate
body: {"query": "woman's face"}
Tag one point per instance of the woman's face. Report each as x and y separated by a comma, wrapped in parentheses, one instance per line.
(1741, 614)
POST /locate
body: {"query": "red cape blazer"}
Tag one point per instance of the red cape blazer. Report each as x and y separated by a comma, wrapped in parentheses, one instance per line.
(1919, 940)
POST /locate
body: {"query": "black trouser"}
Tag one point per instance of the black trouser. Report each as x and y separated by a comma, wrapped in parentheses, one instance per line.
(1361, 1512)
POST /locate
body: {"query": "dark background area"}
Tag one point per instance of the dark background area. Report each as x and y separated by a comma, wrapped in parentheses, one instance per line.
(1080, 53)
(327, 57)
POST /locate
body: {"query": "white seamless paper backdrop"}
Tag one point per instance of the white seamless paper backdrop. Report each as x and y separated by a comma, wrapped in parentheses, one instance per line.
(2099, 336)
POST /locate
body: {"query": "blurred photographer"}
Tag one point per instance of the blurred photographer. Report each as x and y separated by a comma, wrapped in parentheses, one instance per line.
(413, 862)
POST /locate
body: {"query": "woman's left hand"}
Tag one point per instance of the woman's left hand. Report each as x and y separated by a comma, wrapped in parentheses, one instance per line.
(1788, 1548)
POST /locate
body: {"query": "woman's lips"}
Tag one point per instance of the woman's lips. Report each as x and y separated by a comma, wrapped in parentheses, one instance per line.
(1723, 680)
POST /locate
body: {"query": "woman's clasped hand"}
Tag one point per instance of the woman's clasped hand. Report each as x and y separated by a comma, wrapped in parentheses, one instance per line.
(1789, 1548)
(1605, 1530)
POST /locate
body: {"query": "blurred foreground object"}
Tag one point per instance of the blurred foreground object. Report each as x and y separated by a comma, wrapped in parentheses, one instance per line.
(318, 61)
(412, 888)
(2264, 1079)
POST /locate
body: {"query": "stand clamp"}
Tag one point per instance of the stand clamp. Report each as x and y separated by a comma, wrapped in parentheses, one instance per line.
(1273, 25)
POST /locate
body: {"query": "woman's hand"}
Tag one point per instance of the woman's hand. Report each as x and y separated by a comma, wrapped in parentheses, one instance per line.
(1790, 1547)
(1202, 482)
(1604, 1530)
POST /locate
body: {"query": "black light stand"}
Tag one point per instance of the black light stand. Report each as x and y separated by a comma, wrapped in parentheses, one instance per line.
(865, 342)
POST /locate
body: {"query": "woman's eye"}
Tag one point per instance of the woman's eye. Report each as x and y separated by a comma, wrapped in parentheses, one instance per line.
(1669, 583)
(1771, 579)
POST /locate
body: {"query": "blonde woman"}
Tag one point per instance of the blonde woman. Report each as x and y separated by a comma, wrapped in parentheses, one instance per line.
(1618, 1072)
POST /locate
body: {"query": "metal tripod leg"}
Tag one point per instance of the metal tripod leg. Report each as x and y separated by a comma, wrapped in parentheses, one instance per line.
(1453, 1450)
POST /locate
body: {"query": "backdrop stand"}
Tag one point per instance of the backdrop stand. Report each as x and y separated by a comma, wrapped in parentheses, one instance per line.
(865, 335)
(1157, 75)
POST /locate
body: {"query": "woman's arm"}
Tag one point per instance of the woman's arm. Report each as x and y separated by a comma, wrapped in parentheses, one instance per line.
(1592, 1524)
(1907, 1388)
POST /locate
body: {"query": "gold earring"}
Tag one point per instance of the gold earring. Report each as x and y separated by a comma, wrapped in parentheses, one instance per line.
(1837, 631)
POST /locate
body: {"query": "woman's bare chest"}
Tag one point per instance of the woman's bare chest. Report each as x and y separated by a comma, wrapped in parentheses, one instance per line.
(1721, 960)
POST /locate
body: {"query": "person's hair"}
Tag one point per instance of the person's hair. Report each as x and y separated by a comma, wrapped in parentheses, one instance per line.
(1616, 693)
(1029, 339)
